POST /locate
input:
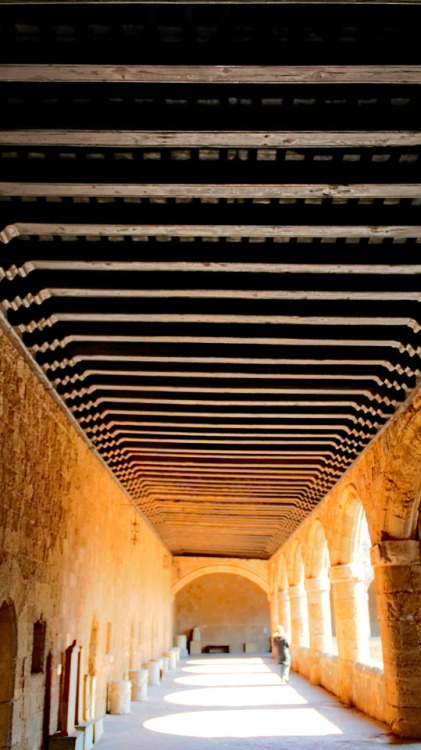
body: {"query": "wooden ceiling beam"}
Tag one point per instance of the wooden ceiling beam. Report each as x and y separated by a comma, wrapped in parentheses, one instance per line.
(211, 74)
(210, 2)
(258, 191)
(212, 139)
(20, 229)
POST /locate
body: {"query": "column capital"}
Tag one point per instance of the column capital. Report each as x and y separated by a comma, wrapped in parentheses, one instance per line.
(282, 594)
(347, 571)
(297, 590)
(321, 583)
(396, 552)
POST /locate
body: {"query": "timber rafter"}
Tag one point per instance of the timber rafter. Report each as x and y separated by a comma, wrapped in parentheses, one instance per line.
(210, 224)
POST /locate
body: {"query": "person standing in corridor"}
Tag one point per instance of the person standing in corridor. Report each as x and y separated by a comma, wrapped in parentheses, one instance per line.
(281, 643)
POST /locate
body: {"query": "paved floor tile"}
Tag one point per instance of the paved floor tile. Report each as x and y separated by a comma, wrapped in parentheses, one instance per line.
(232, 702)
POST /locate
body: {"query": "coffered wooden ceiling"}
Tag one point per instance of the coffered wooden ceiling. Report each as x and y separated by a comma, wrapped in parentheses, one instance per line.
(210, 217)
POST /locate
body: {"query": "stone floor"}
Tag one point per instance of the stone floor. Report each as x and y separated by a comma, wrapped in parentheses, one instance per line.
(231, 702)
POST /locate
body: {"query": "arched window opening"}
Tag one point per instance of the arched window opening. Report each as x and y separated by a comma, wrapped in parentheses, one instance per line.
(375, 648)
(298, 601)
(284, 610)
(319, 591)
(360, 551)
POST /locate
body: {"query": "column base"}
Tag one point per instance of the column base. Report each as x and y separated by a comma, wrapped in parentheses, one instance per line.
(404, 722)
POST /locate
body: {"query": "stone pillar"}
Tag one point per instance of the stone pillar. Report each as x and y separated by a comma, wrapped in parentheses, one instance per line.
(299, 622)
(173, 658)
(284, 614)
(351, 621)
(320, 626)
(165, 663)
(397, 569)
(154, 672)
(274, 614)
(274, 621)
(139, 680)
(120, 694)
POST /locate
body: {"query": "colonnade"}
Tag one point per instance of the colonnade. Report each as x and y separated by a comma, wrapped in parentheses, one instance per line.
(320, 581)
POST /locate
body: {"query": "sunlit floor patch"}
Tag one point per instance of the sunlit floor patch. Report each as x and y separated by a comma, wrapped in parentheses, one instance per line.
(229, 680)
(212, 661)
(228, 669)
(237, 696)
(297, 722)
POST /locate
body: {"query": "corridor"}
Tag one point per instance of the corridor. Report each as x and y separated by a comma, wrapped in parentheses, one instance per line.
(233, 702)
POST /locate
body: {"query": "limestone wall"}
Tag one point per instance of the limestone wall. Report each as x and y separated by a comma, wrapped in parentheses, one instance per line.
(229, 609)
(67, 558)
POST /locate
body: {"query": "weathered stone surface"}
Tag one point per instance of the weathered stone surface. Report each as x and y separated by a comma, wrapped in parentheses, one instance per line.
(209, 599)
(120, 694)
(66, 552)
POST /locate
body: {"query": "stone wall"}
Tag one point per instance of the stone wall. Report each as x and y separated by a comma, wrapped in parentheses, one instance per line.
(229, 609)
(67, 559)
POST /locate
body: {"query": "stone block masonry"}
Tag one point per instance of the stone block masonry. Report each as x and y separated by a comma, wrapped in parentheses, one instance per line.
(67, 561)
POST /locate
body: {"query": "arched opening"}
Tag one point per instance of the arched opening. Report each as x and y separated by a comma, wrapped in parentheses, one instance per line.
(8, 651)
(375, 647)
(220, 568)
(230, 611)
(356, 545)
(284, 610)
(319, 594)
(298, 600)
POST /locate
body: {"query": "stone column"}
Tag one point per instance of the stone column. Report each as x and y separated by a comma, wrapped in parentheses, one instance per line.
(120, 694)
(173, 658)
(274, 615)
(320, 626)
(397, 569)
(274, 619)
(139, 680)
(284, 613)
(299, 622)
(154, 672)
(349, 606)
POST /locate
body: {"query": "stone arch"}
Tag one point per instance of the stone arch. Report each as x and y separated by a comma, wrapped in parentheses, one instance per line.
(189, 577)
(318, 556)
(8, 653)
